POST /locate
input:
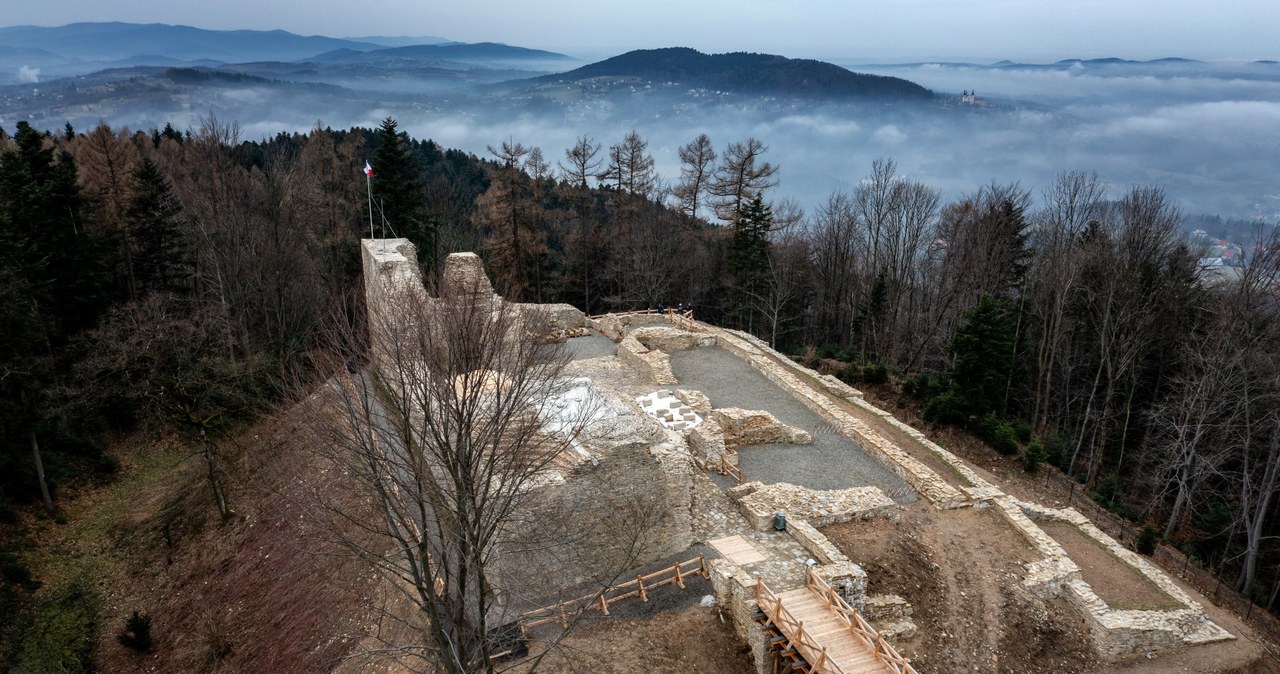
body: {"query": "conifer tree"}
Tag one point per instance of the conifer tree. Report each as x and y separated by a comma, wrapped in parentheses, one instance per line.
(163, 260)
(398, 191)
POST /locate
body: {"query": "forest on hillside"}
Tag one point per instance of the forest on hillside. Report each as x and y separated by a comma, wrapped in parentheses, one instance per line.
(170, 282)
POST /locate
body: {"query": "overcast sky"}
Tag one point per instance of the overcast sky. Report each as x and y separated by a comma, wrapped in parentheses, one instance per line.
(851, 30)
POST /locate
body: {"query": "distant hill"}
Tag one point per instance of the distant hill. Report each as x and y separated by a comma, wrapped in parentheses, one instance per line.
(480, 51)
(1125, 62)
(747, 73)
(399, 40)
(105, 42)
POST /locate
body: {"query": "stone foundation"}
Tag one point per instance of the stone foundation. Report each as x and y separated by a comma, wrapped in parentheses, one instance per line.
(818, 508)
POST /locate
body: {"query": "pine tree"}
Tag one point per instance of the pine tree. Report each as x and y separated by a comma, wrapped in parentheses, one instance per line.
(749, 254)
(983, 348)
(398, 191)
(162, 260)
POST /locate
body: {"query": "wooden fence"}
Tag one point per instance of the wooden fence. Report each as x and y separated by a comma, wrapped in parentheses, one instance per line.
(621, 314)
(640, 586)
(682, 319)
(727, 468)
(1167, 557)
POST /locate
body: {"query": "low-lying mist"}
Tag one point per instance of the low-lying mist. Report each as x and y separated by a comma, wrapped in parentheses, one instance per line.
(1205, 133)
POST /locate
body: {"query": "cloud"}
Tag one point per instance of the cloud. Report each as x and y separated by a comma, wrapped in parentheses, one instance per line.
(28, 75)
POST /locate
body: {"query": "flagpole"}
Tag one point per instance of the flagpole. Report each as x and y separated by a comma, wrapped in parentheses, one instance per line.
(368, 183)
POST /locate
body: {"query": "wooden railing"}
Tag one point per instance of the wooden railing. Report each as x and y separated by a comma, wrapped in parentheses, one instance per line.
(640, 586)
(621, 314)
(682, 319)
(727, 468)
(813, 652)
(858, 625)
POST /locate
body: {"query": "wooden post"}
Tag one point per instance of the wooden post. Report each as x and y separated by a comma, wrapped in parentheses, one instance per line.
(679, 577)
(644, 596)
(604, 605)
(822, 660)
(44, 486)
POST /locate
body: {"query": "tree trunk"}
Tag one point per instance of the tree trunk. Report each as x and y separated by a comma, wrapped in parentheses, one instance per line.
(215, 481)
(1254, 532)
(44, 486)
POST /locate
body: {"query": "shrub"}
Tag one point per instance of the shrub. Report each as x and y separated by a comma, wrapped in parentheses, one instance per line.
(875, 373)
(917, 387)
(1058, 446)
(997, 433)
(1033, 456)
(850, 374)
(1022, 429)
(137, 632)
(63, 634)
(1148, 537)
(945, 408)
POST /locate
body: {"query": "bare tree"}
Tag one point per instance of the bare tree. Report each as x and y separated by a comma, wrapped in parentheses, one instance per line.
(581, 162)
(452, 433)
(631, 166)
(1071, 203)
(697, 162)
(741, 177)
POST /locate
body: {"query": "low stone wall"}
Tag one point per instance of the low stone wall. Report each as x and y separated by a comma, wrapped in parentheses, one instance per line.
(818, 508)
(672, 339)
(822, 549)
(655, 362)
(1113, 632)
(756, 427)
(562, 320)
(696, 400)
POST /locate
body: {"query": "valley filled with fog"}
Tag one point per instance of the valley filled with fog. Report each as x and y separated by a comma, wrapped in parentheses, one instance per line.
(1208, 135)
(1204, 132)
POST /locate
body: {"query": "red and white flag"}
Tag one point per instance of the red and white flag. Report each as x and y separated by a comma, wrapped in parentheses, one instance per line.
(368, 170)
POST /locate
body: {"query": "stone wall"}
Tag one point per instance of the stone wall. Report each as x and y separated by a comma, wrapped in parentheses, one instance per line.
(735, 589)
(756, 427)
(817, 507)
(672, 339)
(706, 444)
(1113, 632)
(656, 362)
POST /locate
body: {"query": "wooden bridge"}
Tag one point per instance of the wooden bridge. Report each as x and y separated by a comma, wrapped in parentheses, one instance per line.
(813, 629)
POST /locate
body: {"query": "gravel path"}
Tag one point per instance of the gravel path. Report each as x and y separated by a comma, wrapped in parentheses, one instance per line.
(831, 462)
(593, 345)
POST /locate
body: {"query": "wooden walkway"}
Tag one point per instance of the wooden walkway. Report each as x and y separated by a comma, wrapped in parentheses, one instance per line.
(819, 632)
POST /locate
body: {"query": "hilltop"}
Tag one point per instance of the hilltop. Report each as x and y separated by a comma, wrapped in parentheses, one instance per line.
(748, 73)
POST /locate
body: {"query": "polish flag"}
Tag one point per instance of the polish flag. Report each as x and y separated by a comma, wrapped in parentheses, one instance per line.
(368, 170)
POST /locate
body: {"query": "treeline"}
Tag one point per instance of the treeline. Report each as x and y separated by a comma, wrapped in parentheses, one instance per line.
(166, 279)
